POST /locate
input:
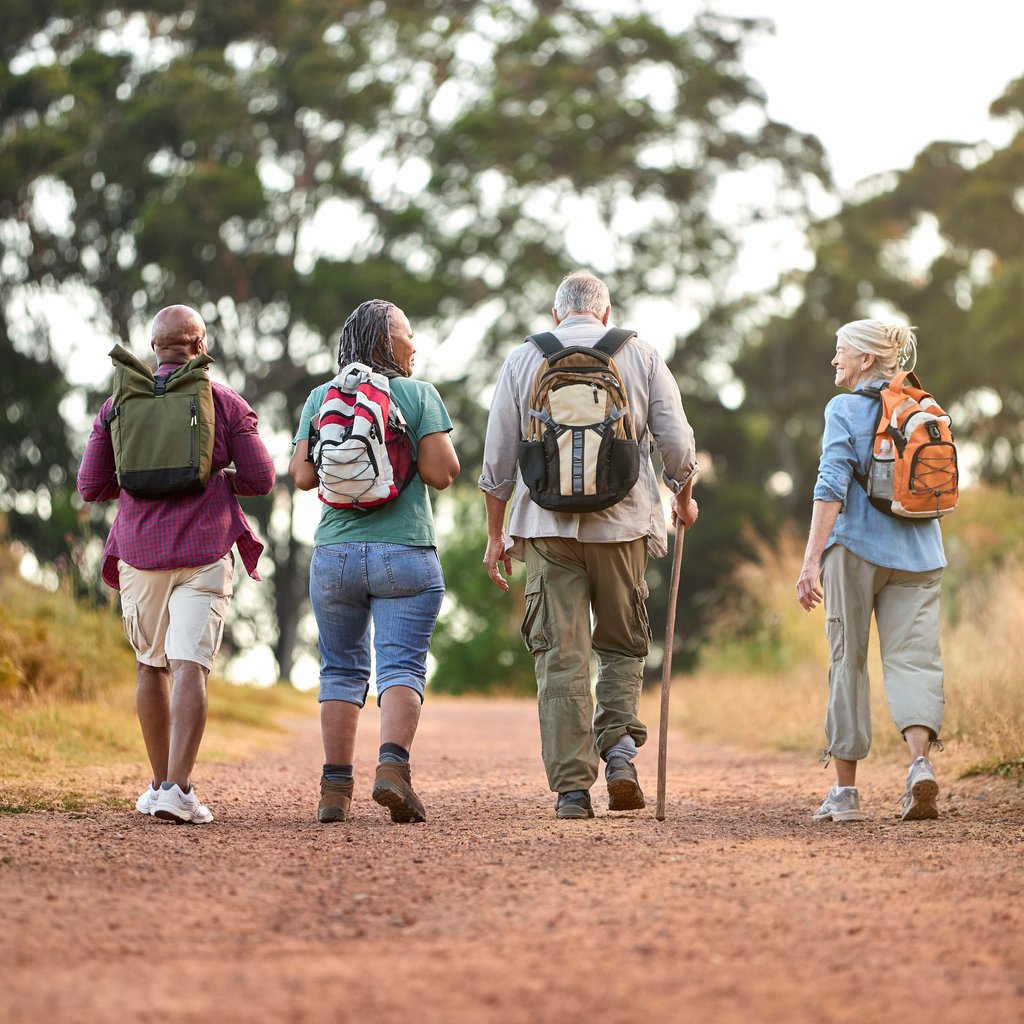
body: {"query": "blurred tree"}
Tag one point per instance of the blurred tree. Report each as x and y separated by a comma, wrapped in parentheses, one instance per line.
(477, 643)
(942, 244)
(274, 164)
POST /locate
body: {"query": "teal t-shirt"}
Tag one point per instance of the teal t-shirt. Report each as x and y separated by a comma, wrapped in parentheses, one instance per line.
(408, 519)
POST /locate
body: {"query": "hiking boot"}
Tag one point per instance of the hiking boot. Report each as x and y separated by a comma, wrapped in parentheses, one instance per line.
(184, 808)
(624, 792)
(841, 805)
(146, 803)
(335, 800)
(392, 788)
(575, 804)
(919, 801)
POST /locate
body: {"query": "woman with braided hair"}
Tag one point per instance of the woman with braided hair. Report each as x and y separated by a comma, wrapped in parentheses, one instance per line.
(860, 562)
(378, 567)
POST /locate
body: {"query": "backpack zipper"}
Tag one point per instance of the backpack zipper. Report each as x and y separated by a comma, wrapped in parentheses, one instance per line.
(192, 434)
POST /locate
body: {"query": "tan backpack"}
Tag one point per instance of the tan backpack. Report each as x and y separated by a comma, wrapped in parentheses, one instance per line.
(581, 452)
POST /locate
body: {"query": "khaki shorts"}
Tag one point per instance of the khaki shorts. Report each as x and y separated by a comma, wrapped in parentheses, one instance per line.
(176, 614)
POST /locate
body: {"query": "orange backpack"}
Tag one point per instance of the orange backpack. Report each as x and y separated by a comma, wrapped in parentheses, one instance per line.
(913, 470)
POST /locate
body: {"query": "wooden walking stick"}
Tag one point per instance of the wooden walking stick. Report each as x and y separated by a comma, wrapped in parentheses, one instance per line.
(666, 669)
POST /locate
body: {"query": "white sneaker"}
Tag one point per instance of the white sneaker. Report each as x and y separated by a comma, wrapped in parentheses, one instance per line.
(840, 805)
(174, 805)
(146, 803)
(919, 800)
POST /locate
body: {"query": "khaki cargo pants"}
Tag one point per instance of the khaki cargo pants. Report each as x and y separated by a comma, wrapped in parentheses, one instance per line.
(567, 582)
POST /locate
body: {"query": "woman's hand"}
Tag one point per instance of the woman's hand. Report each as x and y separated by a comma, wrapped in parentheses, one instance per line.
(808, 589)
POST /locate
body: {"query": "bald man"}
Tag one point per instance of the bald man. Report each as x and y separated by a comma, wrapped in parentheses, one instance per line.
(171, 559)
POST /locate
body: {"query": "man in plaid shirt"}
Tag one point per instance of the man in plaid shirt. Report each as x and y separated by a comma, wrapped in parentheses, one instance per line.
(171, 559)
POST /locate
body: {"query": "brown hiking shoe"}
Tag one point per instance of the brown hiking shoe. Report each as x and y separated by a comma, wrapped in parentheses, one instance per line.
(624, 792)
(392, 788)
(335, 800)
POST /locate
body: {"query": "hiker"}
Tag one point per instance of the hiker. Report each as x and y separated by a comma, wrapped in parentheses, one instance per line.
(381, 566)
(170, 557)
(585, 586)
(861, 561)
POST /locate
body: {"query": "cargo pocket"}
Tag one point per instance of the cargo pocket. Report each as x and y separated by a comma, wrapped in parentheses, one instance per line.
(216, 627)
(641, 632)
(535, 619)
(133, 628)
(836, 639)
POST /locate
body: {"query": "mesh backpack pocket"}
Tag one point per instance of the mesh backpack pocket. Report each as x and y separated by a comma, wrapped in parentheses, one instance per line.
(161, 426)
(913, 472)
(581, 453)
(360, 446)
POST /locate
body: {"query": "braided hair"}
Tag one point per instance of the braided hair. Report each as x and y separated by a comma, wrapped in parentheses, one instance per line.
(366, 338)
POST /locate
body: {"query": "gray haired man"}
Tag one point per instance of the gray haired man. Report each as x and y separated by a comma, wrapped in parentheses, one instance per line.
(585, 586)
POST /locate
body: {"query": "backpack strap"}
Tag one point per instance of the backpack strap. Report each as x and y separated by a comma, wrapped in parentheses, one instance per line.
(876, 395)
(547, 343)
(613, 340)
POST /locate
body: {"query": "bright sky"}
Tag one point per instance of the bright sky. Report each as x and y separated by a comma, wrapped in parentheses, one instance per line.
(878, 80)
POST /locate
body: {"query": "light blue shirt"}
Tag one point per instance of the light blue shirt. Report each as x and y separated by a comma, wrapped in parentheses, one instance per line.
(913, 545)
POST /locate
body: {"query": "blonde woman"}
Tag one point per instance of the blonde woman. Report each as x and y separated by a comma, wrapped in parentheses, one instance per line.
(860, 562)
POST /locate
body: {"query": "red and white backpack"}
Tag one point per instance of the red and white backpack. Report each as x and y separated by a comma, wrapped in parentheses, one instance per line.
(360, 444)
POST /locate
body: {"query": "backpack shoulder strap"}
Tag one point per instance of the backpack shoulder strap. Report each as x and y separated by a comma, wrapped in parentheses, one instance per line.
(613, 340)
(874, 393)
(547, 343)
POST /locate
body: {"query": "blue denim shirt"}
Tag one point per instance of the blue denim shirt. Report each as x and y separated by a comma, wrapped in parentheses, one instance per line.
(911, 545)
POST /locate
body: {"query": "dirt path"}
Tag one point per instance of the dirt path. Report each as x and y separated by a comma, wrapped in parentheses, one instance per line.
(736, 908)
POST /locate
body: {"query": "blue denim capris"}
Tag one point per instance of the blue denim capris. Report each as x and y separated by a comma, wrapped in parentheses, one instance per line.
(396, 587)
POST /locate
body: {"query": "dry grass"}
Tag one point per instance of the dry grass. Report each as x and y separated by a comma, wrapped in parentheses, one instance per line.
(69, 738)
(763, 680)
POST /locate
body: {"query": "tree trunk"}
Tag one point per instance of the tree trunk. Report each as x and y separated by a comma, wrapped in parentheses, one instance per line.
(291, 573)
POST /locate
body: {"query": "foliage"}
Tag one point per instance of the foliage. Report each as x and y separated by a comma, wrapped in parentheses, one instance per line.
(276, 164)
(477, 644)
(942, 244)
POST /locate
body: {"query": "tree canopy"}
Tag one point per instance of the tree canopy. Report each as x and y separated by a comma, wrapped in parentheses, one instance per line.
(274, 164)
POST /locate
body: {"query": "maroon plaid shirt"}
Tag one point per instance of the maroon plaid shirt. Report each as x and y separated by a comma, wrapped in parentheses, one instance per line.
(195, 529)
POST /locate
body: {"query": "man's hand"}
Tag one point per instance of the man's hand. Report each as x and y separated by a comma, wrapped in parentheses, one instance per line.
(684, 511)
(494, 554)
(808, 590)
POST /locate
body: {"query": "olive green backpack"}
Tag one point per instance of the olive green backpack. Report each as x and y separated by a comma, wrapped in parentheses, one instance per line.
(161, 426)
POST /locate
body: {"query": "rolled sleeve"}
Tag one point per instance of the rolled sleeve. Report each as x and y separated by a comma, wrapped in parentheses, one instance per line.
(501, 444)
(838, 455)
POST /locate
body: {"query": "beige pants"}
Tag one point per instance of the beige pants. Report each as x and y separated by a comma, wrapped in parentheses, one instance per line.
(176, 614)
(906, 610)
(567, 582)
